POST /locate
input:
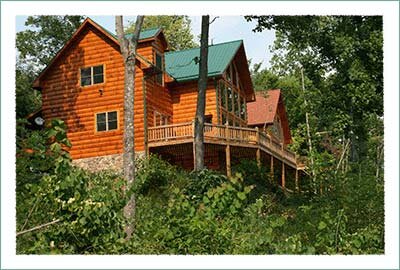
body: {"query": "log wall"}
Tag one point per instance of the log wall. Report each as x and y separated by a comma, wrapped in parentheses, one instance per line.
(64, 98)
(184, 101)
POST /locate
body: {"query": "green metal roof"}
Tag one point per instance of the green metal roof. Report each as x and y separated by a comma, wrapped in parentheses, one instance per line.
(182, 66)
(144, 34)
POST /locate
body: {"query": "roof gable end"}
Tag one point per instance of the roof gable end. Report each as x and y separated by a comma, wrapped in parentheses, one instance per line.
(145, 35)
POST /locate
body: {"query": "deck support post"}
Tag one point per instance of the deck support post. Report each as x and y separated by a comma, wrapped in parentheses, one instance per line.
(272, 169)
(227, 151)
(146, 136)
(194, 148)
(228, 160)
(297, 180)
(258, 153)
(283, 176)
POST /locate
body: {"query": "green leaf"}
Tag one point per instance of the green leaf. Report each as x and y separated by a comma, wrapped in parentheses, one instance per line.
(82, 220)
(241, 196)
(322, 225)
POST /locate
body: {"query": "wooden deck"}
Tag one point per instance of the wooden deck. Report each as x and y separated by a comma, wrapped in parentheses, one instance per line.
(224, 135)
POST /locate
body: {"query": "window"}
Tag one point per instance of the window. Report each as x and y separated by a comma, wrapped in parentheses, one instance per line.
(106, 121)
(230, 97)
(223, 118)
(243, 108)
(159, 65)
(237, 104)
(160, 119)
(92, 75)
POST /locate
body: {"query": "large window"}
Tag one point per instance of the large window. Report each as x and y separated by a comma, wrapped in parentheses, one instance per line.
(232, 104)
(160, 68)
(92, 75)
(106, 121)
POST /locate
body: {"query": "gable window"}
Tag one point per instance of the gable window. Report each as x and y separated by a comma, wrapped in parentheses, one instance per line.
(92, 75)
(159, 66)
(106, 121)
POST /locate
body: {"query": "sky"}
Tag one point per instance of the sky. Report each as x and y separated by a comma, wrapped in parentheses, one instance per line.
(223, 29)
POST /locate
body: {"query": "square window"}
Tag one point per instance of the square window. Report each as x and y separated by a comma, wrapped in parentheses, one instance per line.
(106, 121)
(92, 75)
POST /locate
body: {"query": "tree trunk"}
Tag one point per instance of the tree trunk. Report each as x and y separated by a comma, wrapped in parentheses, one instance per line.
(310, 150)
(128, 51)
(201, 97)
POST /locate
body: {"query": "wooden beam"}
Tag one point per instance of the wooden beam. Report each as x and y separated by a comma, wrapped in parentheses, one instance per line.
(297, 180)
(194, 148)
(258, 153)
(272, 169)
(228, 160)
(146, 133)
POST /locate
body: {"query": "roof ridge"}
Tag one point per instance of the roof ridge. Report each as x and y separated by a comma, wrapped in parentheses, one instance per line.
(222, 43)
(126, 34)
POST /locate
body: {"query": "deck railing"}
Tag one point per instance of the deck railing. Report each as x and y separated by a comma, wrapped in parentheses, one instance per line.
(221, 133)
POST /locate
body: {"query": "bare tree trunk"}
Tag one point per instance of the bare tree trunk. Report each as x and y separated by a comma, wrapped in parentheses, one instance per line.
(128, 51)
(201, 97)
(308, 129)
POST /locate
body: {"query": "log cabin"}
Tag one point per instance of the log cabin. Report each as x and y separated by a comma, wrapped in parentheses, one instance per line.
(84, 84)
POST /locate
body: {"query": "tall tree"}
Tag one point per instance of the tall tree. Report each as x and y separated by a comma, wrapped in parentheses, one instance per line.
(176, 29)
(44, 38)
(201, 96)
(342, 58)
(128, 50)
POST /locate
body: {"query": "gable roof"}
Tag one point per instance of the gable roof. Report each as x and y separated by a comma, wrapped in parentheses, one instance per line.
(264, 109)
(144, 35)
(183, 67)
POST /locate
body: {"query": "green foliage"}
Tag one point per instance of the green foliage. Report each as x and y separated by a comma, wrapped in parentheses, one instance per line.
(89, 206)
(342, 58)
(196, 213)
(176, 29)
(45, 36)
(28, 100)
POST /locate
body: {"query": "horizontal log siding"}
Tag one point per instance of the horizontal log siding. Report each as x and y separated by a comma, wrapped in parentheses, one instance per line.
(158, 96)
(64, 98)
(158, 99)
(184, 101)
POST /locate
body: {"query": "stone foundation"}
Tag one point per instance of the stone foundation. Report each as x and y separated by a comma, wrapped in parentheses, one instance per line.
(103, 163)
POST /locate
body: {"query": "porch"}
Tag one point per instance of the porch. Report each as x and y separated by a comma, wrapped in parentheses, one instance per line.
(223, 145)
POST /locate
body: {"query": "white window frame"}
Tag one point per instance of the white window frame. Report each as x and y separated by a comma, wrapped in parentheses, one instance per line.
(107, 127)
(91, 75)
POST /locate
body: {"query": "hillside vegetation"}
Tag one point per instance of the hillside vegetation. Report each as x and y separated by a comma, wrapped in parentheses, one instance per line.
(187, 213)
